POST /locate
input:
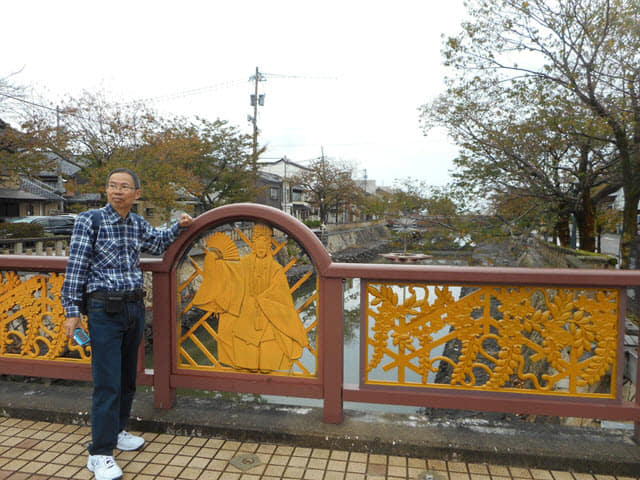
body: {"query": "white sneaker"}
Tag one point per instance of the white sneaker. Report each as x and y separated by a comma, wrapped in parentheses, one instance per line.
(104, 467)
(128, 442)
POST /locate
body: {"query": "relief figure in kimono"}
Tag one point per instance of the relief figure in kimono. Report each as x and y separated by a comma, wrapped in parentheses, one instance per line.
(259, 328)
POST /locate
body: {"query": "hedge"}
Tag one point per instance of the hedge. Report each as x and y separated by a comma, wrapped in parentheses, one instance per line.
(21, 230)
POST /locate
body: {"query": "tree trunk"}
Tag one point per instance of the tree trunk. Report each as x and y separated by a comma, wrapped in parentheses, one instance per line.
(629, 224)
(586, 217)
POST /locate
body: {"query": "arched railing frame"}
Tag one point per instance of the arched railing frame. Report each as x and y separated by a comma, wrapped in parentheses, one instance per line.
(168, 377)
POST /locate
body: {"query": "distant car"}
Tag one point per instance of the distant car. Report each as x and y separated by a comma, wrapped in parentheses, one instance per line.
(54, 224)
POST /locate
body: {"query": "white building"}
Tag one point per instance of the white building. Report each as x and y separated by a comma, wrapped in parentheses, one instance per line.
(292, 201)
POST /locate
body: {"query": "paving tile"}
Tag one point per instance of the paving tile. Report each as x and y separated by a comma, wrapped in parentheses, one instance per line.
(457, 467)
(358, 457)
(339, 455)
(180, 460)
(520, 472)
(197, 441)
(334, 476)
(557, 475)
(438, 465)
(153, 469)
(583, 476)
(479, 468)
(313, 474)
(279, 460)
(189, 451)
(274, 470)
(337, 466)
(356, 467)
(459, 476)
(302, 452)
(320, 453)
(499, 470)
(355, 476)
(397, 461)
(284, 450)
(266, 448)
(293, 472)
(376, 469)
(317, 463)
(198, 462)
(378, 459)
(538, 474)
(207, 452)
(298, 462)
(396, 471)
(417, 463)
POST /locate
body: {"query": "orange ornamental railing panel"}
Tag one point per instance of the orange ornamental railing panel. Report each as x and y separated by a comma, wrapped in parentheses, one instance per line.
(32, 319)
(559, 341)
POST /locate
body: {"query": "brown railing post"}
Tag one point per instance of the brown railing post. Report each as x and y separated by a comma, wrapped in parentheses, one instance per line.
(637, 423)
(332, 347)
(164, 394)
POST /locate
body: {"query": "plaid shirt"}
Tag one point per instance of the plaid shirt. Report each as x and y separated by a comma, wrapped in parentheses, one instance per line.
(113, 262)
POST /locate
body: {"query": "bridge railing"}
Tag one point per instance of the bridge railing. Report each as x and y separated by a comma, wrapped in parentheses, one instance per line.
(53, 245)
(538, 341)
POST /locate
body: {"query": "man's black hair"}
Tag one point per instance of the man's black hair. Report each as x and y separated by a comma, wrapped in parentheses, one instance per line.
(136, 180)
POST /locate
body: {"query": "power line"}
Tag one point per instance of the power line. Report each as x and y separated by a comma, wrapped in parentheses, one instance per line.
(306, 77)
(18, 99)
(187, 93)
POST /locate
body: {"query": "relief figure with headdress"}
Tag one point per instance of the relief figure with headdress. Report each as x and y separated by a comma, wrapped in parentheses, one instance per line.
(259, 328)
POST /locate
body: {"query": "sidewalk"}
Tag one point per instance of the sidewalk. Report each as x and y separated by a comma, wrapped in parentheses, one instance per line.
(44, 432)
(31, 450)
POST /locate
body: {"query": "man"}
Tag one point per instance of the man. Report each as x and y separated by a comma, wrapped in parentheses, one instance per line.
(104, 261)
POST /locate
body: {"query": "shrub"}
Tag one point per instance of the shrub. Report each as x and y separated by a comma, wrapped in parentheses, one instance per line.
(21, 230)
(312, 223)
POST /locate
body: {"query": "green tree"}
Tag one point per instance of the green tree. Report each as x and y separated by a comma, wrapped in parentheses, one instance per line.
(176, 159)
(328, 186)
(542, 149)
(408, 196)
(588, 48)
(222, 163)
(17, 155)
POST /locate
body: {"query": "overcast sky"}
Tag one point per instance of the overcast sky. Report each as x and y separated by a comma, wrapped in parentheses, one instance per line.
(344, 76)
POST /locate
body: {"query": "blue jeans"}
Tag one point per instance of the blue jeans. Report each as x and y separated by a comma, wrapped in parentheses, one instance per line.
(115, 339)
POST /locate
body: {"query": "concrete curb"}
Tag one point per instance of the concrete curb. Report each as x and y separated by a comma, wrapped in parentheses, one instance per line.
(549, 447)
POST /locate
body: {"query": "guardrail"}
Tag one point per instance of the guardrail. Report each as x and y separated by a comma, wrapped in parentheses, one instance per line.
(531, 341)
(56, 245)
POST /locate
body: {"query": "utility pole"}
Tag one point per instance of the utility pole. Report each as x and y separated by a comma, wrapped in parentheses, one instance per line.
(256, 100)
(365, 180)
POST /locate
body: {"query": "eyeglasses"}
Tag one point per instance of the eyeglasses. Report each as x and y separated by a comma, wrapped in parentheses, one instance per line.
(123, 187)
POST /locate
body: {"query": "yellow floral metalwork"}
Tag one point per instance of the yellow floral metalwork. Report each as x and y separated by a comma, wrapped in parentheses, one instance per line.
(32, 319)
(250, 322)
(500, 338)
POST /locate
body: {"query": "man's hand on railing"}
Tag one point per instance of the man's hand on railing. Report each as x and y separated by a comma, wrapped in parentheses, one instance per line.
(185, 220)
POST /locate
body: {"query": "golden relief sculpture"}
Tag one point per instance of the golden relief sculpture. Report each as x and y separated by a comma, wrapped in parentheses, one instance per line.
(508, 338)
(31, 319)
(259, 328)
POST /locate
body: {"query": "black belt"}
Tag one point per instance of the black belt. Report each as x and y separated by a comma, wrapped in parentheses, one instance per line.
(120, 296)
